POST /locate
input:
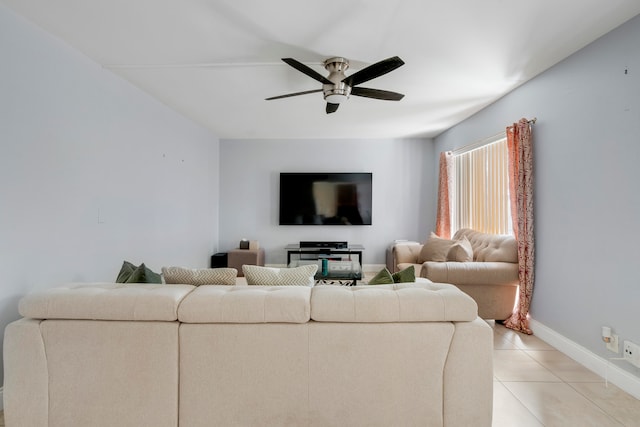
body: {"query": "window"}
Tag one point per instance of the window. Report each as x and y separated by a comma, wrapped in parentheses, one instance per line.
(480, 198)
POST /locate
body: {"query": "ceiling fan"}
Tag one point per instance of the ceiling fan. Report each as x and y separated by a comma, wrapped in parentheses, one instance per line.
(337, 87)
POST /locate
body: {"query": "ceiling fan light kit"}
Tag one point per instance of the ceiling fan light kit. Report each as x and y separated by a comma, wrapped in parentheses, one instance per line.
(337, 87)
(338, 91)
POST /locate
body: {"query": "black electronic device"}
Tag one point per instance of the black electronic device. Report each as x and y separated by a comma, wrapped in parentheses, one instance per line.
(219, 260)
(323, 245)
(325, 198)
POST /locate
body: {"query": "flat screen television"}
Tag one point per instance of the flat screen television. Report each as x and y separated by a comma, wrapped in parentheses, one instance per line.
(325, 198)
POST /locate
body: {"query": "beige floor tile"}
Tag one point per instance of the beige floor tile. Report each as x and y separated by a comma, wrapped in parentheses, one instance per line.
(523, 341)
(563, 366)
(559, 405)
(615, 402)
(515, 365)
(500, 342)
(498, 328)
(509, 411)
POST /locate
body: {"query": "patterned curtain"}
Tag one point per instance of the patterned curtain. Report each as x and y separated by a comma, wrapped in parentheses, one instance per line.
(443, 216)
(519, 145)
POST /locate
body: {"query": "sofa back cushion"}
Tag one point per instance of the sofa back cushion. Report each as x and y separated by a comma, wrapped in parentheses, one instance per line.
(105, 301)
(490, 247)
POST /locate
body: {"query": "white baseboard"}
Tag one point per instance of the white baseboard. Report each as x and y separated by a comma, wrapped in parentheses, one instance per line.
(372, 268)
(601, 366)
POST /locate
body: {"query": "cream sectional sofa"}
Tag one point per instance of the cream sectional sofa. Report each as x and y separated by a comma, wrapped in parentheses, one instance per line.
(179, 355)
(491, 278)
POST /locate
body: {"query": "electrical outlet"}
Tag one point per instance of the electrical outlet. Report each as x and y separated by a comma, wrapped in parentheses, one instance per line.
(631, 353)
(612, 345)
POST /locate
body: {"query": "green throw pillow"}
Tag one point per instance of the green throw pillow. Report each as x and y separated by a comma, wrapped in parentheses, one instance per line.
(125, 272)
(142, 274)
(382, 278)
(404, 276)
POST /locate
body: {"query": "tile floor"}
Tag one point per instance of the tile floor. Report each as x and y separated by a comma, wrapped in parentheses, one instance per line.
(536, 385)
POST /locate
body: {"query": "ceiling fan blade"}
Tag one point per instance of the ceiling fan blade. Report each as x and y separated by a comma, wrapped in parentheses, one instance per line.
(376, 94)
(332, 108)
(375, 70)
(293, 94)
(308, 71)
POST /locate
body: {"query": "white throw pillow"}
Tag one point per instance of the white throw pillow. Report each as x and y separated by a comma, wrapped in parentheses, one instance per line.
(270, 276)
(439, 249)
(200, 276)
(435, 249)
(461, 251)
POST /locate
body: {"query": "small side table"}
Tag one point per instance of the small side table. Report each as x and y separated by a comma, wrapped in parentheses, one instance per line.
(236, 258)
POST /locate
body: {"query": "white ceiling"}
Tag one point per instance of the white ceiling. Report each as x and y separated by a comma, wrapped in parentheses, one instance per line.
(460, 55)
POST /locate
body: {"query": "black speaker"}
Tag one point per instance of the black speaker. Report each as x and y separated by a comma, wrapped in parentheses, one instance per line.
(219, 260)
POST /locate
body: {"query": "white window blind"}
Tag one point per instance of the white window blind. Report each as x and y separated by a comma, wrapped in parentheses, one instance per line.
(481, 189)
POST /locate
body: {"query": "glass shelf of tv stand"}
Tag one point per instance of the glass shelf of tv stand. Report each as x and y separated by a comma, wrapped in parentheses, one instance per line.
(344, 265)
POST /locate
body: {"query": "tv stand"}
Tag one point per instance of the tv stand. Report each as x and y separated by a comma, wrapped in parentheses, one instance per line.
(340, 263)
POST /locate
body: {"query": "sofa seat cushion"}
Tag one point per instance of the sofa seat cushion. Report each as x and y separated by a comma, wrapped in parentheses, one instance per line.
(417, 268)
(106, 301)
(400, 302)
(246, 304)
(471, 273)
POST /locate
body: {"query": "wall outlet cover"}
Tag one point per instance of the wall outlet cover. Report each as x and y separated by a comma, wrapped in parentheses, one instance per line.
(631, 353)
(613, 344)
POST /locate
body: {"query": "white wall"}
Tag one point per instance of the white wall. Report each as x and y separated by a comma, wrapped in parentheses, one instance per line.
(587, 202)
(92, 172)
(403, 191)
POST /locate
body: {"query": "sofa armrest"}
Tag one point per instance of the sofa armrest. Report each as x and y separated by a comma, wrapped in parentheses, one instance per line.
(471, 273)
(26, 375)
(402, 253)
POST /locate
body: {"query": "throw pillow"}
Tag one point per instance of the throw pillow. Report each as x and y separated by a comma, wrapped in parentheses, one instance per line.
(270, 276)
(405, 276)
(142, 274)
(200, 276)
(461, 251)
(435, 249)
(125, 272)
(383, 277)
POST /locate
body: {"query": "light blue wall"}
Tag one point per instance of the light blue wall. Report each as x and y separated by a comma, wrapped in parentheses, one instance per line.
(403, 191)
(587, 201)
(92, 172)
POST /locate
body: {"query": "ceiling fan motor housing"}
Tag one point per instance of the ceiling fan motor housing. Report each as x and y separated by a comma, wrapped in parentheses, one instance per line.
(339, 91)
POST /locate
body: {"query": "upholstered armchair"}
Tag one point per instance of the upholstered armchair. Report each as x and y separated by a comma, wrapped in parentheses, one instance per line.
(483, 265)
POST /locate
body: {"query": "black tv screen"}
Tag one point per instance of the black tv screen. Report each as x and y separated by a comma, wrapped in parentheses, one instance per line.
(325, 198)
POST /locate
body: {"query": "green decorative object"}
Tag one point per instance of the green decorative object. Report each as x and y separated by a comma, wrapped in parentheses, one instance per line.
(405, 276)
(125, 272)
(382, 278)
(129, 273)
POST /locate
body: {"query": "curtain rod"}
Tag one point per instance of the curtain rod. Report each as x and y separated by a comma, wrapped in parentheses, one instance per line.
(486, 141)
